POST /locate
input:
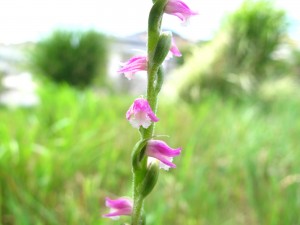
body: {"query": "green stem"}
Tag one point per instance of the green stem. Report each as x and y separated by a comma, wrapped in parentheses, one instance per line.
(151, 97)
(138, 202)
(154, 28)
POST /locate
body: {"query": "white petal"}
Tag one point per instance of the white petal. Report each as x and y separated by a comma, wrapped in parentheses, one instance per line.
(151, 160)
(143, 119)
(129, 76)
(146, 123)
(163, 166)
(135, 123)
(114, 217)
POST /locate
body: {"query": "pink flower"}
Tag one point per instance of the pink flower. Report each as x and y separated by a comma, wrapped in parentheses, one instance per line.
(180, 9)
(174, 50)
(118, 207)
(134, 65)
(141, 114)
(161, 151)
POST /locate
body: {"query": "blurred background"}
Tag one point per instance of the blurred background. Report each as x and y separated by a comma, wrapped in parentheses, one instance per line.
(232, 102)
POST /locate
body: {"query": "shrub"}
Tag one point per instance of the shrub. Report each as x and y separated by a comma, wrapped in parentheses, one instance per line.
(72, 57)
(296, 62)
(256, 31)
(240, 56)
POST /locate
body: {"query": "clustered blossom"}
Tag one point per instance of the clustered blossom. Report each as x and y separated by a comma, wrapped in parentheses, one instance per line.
(180, 9)
(161, 151)
(118, 207)
(139, 63)
(141, 114)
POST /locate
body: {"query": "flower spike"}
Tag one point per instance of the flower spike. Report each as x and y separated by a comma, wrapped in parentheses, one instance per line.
(118, 207)
(141, 114)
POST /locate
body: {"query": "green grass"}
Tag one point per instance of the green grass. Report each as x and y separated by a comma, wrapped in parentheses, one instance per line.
(239, 165)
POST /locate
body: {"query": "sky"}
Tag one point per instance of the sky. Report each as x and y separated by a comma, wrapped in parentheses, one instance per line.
(31, 20)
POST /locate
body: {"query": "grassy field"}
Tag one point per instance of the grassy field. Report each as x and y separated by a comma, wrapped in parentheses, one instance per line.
(240, 162)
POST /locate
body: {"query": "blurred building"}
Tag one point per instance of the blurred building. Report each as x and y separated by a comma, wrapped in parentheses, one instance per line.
(17, 88)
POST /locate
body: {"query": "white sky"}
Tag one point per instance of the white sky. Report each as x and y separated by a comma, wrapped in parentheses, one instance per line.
(29, 20)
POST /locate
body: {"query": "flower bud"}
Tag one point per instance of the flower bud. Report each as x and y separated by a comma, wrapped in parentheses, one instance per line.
(154, 23)
(162, 48)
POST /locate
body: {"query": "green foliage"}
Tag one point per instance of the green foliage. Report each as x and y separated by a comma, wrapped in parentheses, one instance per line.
(255, 31)
(239, 164)
(295, 61)
(72, 57)
(240, 57)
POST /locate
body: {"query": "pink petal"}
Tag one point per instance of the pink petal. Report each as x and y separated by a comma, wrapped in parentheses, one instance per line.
(180, 9)
(161, 151)
(118, 207)
(118, 203)
(174, 50)
(134, 65)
